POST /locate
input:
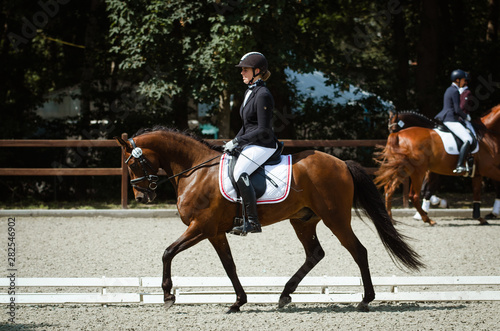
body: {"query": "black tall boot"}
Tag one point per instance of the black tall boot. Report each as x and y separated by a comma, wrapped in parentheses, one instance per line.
(461, 158)
(251, 221)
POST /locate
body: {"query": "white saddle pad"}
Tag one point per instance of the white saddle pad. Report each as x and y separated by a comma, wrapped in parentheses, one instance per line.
(450, 144)
(280, 173)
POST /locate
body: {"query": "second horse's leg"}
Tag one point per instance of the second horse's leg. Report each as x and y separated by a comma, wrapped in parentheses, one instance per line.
(416, 183)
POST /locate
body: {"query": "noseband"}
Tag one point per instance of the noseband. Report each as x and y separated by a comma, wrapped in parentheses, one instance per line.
(152, 179)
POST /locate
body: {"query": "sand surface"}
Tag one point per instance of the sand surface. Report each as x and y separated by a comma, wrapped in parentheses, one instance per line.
(128, 247)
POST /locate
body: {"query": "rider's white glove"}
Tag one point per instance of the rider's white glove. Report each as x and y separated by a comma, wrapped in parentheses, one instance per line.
(468, 118)
(230, 146)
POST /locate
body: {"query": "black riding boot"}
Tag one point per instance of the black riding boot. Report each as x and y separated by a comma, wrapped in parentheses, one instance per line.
(461, 158)
(251, 222)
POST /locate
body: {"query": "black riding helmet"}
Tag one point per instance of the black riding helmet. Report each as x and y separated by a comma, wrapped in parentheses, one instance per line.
(254, 60)
(457, 74)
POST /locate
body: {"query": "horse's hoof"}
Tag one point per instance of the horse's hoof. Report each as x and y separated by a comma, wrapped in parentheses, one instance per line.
(169, 302)
(363, 307)
(431, 222)
(284, 301)
(482, 221)
(233, 310)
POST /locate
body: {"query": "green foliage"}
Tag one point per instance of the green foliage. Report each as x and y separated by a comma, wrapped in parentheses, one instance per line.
(138, 63)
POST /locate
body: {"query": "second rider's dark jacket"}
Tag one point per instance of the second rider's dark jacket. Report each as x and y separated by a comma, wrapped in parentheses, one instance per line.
(257, 116)
(451, 106)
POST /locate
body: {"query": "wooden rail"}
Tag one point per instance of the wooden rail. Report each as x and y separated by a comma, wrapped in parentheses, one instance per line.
(123, 171)
(261, 290)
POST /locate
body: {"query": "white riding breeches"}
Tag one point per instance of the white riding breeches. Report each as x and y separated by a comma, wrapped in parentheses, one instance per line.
(251, 158)
(459, 130)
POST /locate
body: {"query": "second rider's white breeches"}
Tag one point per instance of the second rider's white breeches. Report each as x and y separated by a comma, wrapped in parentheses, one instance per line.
(459, 130)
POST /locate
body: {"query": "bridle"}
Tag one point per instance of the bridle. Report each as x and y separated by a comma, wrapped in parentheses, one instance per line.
(152, 179)
(395, 123)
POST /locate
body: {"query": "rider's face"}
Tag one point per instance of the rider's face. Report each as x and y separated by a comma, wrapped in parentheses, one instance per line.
(247, 74)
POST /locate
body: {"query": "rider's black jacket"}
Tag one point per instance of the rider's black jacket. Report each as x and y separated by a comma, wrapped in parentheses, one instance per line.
(257, 115)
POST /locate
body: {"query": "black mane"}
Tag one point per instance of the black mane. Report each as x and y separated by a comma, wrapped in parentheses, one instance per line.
(174, 130)
(418, 114)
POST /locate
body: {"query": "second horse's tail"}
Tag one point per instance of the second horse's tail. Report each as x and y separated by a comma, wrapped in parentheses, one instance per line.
(368, 198)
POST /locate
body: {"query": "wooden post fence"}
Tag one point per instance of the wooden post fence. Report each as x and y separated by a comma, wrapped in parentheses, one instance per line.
(123, 169)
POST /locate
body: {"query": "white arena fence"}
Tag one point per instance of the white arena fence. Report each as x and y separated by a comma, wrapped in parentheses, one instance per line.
(203, 290)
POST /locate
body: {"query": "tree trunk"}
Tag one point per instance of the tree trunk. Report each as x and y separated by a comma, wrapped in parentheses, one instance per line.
(427, 54)
(492, 29)
(224, 116)
(181, 111)
(283, 117)
(402, 57)
(91, 32)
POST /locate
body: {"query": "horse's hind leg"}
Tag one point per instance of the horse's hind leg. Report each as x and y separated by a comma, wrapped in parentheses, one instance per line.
(306, 232)
(341, 228)
(414, 195)
(222, 248)
(389, 192)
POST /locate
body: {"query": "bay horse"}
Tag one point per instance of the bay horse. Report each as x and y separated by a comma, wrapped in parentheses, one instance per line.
(400, 120)
(324, 188)
(415, 150)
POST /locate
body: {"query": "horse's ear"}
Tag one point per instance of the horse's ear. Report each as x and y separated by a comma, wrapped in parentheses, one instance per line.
(123, 143)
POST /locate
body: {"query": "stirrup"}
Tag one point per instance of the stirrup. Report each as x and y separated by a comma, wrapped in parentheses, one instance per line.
(247, 227)
(460, 169)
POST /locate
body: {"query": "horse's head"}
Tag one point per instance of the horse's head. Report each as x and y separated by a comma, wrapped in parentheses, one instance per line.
(143, 167)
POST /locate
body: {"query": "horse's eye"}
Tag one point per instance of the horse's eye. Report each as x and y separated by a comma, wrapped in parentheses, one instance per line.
(134, 165)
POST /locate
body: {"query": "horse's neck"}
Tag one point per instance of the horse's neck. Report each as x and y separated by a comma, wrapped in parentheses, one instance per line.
(178, 152)
(492, 119)
(492, 122)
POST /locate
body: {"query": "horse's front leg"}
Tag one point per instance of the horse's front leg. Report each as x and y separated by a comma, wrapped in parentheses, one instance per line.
(222, 248)
(189, 238)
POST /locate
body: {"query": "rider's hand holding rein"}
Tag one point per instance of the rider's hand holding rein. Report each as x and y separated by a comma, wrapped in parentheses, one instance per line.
(230, 145)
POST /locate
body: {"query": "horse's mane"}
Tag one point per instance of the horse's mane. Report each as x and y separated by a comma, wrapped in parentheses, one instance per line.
(186, 133)
(421, 116)
(477, 125)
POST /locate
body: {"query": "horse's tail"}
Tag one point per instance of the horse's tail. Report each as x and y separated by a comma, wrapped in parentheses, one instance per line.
(394, 164)
(368, 198)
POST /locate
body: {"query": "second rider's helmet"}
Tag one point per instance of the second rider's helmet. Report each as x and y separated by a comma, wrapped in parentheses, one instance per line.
(457, 74)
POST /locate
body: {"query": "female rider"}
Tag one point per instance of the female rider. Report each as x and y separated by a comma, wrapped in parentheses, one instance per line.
(256, 138)
(454, 118)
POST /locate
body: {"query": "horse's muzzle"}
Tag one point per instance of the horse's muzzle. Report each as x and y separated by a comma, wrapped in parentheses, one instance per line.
(145, 197)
